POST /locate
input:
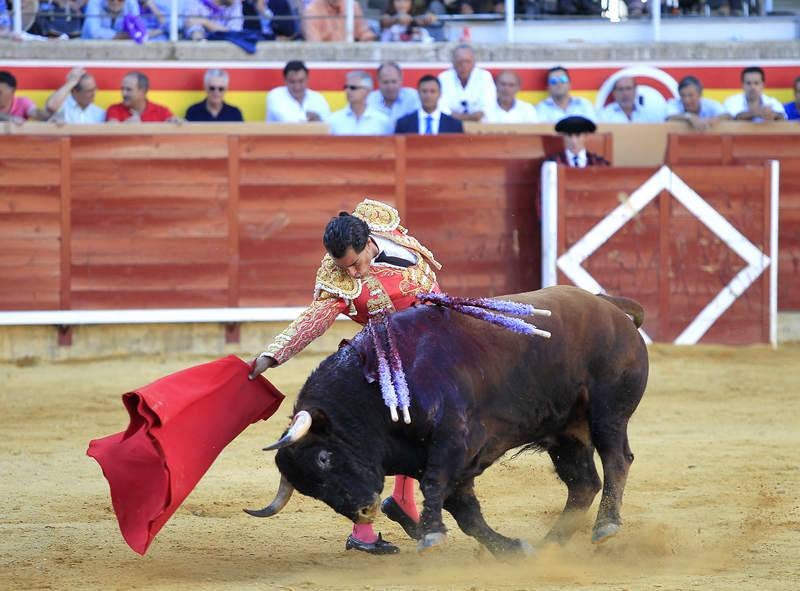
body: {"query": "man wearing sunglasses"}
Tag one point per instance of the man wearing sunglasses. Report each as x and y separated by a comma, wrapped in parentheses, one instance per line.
(560, 103)
(358, 118)
(214, 107)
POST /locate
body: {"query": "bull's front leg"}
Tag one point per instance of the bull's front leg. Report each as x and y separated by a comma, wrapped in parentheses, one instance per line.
(463, 505)
(444, 462)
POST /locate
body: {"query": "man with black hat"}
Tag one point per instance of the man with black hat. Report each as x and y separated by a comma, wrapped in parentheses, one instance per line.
(574, 130)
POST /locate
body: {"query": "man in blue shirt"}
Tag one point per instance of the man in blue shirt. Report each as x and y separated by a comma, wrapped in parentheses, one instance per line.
(793, 109)
(214, 107)
(392, 98)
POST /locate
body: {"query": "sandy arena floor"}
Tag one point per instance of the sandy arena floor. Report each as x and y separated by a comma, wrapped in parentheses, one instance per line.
(712, 500)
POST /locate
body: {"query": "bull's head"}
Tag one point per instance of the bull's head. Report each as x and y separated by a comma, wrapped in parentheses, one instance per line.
(328, 466)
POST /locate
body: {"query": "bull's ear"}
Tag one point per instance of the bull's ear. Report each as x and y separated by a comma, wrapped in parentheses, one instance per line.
(319, 421)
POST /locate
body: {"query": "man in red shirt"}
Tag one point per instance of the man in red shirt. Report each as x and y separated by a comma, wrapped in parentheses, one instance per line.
(134, 106)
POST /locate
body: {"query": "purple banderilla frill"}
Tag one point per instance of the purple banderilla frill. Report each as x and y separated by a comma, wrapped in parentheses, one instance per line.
(485, 308)
(391, 376)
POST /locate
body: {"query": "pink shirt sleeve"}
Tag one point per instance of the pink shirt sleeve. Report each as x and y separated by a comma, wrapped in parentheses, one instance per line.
(22, 107)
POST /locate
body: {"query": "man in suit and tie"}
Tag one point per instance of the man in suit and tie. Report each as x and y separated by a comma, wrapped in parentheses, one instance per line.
(429, 119)
(574, 129)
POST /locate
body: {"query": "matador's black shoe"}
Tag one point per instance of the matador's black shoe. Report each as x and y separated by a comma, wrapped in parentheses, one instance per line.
(395, 512)
(379, 546)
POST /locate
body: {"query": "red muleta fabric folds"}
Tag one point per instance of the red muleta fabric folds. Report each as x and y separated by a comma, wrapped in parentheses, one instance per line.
(178, 426)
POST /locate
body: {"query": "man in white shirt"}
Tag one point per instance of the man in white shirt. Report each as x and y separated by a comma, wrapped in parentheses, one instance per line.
(429, 119)
(295, 102)
(392, 98)
(467, 91)
(560, 103)
(753, 104)
(626, 107)
(693, 108)
(357, 118)
(508, 108)
(74, 101)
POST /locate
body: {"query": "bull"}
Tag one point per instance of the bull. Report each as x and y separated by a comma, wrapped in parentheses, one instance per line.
(478, 391)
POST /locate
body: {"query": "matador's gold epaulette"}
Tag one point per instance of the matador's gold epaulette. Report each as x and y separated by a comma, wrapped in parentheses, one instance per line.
(379, 216)
(332, 279)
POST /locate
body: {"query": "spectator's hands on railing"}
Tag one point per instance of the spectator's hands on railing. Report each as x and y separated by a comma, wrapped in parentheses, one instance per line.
(313, 116)
(261, 364)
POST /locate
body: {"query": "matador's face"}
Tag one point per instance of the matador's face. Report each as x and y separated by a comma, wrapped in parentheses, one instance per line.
(357, 264)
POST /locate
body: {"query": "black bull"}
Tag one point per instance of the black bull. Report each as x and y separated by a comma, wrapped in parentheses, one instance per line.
(477, 391)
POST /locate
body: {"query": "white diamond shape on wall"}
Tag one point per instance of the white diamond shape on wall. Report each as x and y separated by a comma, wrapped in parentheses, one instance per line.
(666, 180)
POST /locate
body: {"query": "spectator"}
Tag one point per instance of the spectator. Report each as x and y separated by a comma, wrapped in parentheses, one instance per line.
(793, 109)
(467, 91)
(753, 104)
(585, 7)
(135, 107)
(295, 102)
(74, 101)
(508, 108)
(574, 130)
(205, 17)
(323, 20)
(105, 19)
(357, 118)
(16, 108)
(285, 18)
(214, 107)
(429, 119)
(692, 107)
(627, 107)
(392, 98)
(58, 17)
(560, 103)
(156, 14)
(6, 30)
(402, 21)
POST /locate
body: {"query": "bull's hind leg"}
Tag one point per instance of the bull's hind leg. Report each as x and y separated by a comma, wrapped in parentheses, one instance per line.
(463, 505)
(574, 463)
(611, 441)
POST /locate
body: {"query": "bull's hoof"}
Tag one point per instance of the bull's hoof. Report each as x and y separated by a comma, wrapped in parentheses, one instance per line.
(605, 532)
(431, 542)
(526, 548)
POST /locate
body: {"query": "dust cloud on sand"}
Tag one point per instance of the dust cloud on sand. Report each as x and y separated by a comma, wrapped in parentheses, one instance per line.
(711, 503)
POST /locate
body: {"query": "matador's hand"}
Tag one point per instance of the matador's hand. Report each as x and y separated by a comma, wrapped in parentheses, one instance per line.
(261, 364)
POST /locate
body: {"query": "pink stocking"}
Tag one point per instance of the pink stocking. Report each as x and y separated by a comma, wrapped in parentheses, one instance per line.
(404, 495)
(364, 532)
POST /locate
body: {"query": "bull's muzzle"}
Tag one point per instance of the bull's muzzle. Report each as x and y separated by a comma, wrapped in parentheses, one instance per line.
(282, 497)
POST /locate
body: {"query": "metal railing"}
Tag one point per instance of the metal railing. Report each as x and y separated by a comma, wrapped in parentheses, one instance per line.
(612, 12)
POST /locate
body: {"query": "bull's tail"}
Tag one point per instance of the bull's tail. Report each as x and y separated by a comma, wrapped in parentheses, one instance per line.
(627, 305)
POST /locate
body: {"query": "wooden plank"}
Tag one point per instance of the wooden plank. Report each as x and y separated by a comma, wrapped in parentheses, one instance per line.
(148, 193)
(330, 172)
(30, 251)
(133, 250)
(192, 275)
(66, 224)
(29, 173)
(233, 221)
(30, 225)
(30, 148)
(22, 199)
(148, 147)
(121, 299)
(145, 224)
(316, 149)
(310, 200)
(479, 147)
(160, 171)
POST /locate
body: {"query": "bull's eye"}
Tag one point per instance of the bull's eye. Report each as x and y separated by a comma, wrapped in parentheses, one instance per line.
(324, 459)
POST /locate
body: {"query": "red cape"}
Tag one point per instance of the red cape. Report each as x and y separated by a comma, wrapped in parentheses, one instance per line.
(178, 426)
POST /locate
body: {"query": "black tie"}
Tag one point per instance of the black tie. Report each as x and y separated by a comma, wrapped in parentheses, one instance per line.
(576, 161)
(396, 261)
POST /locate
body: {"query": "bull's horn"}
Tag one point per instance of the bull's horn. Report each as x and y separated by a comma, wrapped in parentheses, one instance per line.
(300, 426)
(282, 497)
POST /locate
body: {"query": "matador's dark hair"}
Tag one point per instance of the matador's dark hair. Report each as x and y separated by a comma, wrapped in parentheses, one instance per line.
(344, 231)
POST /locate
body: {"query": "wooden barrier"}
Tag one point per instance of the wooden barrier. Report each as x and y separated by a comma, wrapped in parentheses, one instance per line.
(713, 150)
(664, 256)
(214, 220)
